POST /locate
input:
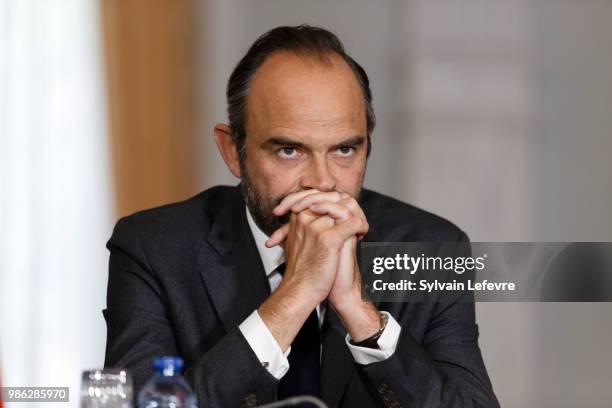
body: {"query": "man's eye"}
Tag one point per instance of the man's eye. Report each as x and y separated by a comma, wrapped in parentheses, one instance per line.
(287, 152)
(346, 151)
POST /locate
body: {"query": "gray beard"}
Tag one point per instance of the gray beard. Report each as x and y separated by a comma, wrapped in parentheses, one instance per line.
(256, 203)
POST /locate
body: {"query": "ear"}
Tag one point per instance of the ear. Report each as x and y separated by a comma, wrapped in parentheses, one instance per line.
(227, 148)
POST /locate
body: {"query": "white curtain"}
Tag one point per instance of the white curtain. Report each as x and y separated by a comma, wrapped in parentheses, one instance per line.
(55, 193)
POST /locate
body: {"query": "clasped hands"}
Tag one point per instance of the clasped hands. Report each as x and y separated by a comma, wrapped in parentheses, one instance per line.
(319, 244)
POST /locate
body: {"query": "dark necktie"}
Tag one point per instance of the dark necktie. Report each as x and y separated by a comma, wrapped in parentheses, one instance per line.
(303, 377)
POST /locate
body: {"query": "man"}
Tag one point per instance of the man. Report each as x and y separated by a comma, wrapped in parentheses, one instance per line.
(263, 300)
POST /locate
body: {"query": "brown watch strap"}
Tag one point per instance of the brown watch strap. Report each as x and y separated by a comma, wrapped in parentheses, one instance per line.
(372, 341)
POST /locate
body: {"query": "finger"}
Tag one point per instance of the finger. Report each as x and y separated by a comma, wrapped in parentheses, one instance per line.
(347, 255)
(322, 223)
(291, 199)
(278, 236)
(348, 249)
(338, 212)
(355, 209)
(311, 199)
(353, 206)
(352, 226)
(305, 217)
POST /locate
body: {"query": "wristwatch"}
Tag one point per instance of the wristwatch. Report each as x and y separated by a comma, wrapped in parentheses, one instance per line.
(372, 341)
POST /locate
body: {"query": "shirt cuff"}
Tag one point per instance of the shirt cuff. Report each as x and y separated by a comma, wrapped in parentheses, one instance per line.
(387, 343)
(264, 345)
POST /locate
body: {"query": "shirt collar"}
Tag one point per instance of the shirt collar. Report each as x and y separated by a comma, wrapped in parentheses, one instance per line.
(270, 257)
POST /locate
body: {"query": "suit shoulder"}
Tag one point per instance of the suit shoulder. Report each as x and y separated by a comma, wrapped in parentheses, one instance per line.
(394, 220)
(190, 218)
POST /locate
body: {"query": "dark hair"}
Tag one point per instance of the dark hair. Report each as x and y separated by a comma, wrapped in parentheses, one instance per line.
(302, 39)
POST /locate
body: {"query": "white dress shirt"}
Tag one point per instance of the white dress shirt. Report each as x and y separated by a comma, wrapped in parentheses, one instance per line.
(264, 344)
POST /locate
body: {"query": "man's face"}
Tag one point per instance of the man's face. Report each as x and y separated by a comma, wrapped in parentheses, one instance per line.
(306, 129)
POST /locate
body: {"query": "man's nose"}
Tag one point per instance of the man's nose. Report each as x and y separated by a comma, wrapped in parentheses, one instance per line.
(318, 176)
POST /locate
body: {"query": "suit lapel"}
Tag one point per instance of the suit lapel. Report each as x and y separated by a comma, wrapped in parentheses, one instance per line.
(235, 280)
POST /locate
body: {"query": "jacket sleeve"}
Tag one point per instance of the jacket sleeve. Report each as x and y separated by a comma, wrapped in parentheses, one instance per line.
(139, 329)
(444, 370)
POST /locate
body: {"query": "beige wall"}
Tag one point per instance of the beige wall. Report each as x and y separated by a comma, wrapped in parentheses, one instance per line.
(150, 70)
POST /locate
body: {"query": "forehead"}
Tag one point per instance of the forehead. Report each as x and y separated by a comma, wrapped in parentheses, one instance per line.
(304, 93)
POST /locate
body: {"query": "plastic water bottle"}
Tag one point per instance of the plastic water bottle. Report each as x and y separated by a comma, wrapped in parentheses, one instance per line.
(167, 388)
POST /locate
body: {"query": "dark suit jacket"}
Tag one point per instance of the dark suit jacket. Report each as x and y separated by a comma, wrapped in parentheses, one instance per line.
(183, 277)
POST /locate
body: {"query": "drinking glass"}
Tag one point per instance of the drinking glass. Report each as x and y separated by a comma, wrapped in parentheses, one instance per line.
(106, 388)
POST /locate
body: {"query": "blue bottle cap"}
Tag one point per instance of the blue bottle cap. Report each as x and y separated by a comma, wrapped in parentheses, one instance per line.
(168, 365)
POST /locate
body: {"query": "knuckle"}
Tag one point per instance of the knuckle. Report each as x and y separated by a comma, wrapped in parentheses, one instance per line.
(350, 199)
(329, 221)
(346, 213)
(359, 223)
(303, 217)
(351, 203)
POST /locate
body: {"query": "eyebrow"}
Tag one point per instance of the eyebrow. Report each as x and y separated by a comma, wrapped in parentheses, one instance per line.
(352, 141)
